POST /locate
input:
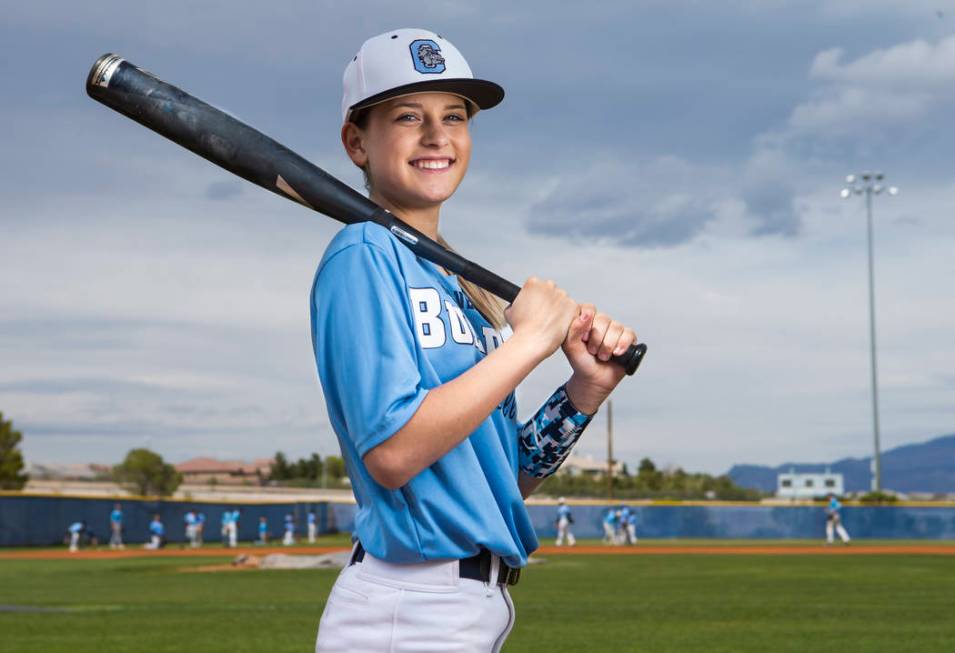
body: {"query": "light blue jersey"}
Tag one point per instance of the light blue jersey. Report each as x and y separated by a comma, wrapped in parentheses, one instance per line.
(834, 505)
(611, 518)
(116, 516)
(190, 518)
(563, 511)
(76, 527)
(156, 528)
(387, 327)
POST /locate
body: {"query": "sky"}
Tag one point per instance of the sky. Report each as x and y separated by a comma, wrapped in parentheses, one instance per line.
(676, 163)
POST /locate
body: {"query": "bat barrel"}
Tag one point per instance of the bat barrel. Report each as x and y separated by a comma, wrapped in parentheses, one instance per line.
(222, 139)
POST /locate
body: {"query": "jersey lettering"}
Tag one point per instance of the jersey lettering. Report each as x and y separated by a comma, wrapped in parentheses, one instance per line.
(492, 338)
(461, 331)
(426, 307)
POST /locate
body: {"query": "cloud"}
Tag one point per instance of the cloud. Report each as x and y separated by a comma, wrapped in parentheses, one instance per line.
(659, 203)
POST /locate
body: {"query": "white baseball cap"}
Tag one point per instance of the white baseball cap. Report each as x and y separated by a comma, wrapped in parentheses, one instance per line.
(405, 61)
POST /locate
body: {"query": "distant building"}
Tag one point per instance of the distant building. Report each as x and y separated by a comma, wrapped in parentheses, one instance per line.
(808, 485)
(588, 466)
(69, 471)
(205, 471)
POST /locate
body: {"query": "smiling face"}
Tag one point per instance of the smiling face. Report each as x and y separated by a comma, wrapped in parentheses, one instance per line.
(415, 149)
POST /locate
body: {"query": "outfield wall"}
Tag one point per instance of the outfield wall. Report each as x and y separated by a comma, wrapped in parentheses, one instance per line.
(738, 521)
(42, 520)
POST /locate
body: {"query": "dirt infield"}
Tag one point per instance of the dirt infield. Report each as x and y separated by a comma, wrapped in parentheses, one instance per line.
(651, 549)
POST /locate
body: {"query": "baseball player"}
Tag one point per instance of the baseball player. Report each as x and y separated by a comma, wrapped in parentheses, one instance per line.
(190, 520)
(157, 534)
(263, 531)
(610, 527)
(631, 527)
(419, 367)
(834, 521)
(564, 520)
(116, 528)
(289, 538)
(200, 527)
(225, 526)
(312, 527)
(234, 528)
(76, 532)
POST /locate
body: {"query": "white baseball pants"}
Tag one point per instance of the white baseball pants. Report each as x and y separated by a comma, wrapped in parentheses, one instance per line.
(564, 533)
(379, 607)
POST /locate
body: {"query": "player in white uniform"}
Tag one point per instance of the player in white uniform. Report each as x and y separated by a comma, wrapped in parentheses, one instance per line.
(564, 520)
(76, 532)
(289, 538)
(834, 521)
(190, 520)
(419, 380)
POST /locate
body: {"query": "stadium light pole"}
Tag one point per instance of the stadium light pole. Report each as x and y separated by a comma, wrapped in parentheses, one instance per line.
(869, 184)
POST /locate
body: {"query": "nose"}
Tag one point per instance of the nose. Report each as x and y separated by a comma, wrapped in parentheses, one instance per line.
(434, 134)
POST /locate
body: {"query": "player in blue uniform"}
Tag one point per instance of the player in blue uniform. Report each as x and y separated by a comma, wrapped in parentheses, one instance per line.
(834, 521)
(289, 538)
(610, 527)
(564, 520)
(157, 533)
(263, 531)
(116, 528)
(419, 369)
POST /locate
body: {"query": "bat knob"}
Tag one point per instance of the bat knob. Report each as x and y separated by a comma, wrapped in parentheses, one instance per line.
(631, 359)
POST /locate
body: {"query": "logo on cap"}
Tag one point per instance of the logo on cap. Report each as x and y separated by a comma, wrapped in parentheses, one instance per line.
(426, 56)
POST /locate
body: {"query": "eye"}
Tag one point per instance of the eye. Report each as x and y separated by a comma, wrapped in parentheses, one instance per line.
(406, 117)
(456, 117)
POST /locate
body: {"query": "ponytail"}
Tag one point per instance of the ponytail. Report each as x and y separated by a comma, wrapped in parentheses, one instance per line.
(488, 305)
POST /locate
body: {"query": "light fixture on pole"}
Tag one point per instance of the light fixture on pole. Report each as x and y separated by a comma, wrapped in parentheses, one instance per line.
(869, 184)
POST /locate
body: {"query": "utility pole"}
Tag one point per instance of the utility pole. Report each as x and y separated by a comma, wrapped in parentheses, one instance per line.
(870, 184)
(609, 449)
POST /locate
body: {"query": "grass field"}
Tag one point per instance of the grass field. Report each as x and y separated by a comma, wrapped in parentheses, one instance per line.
(571, 603)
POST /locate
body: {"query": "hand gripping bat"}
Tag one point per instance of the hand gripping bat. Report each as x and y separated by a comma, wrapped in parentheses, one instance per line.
(231, 144)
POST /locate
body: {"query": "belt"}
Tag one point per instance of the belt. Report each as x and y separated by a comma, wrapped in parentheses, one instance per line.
(476, 567)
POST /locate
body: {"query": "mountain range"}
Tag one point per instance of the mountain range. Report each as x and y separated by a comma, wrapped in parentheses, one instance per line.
(923, 467)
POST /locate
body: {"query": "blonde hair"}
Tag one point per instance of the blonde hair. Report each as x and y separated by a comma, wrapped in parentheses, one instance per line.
(487, 304)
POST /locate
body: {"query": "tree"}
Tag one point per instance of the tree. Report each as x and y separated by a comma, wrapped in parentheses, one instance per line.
(336, 467)
(280, 468)
(11, 460)
(144, 472)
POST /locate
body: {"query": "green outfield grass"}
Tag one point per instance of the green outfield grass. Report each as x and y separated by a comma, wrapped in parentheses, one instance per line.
(569, 603)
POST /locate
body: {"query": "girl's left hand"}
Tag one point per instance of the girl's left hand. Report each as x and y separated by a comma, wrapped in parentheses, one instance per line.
(591, 340)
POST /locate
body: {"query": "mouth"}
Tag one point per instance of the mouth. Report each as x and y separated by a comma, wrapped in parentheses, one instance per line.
(438, 164)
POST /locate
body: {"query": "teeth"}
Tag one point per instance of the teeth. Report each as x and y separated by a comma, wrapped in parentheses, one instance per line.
(432, 164)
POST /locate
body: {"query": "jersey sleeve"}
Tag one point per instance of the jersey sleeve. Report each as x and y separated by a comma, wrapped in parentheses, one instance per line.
(364, 344)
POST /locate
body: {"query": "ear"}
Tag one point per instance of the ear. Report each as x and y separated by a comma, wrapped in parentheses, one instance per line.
(353, 138)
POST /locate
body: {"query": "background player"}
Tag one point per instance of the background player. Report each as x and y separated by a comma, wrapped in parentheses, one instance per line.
(116, 528)
(289, 538)
(834, 521)
(76, 530)
(564, 520)
(157, 534)
(263, 531)
(312, 527)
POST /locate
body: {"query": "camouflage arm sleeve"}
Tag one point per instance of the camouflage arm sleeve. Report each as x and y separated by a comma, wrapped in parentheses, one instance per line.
(547, 438)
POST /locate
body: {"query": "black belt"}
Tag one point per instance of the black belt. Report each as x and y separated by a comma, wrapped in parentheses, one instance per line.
(476, 567)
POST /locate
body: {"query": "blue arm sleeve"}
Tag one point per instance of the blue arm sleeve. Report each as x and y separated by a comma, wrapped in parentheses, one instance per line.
(364, 345)
(546, 439)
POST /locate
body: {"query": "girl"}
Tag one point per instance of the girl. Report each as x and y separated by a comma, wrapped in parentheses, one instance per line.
(419, 380)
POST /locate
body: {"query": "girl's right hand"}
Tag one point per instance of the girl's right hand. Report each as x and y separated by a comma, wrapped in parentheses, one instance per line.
(542, 313)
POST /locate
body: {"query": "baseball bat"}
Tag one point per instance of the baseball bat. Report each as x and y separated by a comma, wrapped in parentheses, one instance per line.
(231, 144)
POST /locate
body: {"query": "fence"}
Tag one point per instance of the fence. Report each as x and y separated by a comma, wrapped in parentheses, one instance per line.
(42, 520)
